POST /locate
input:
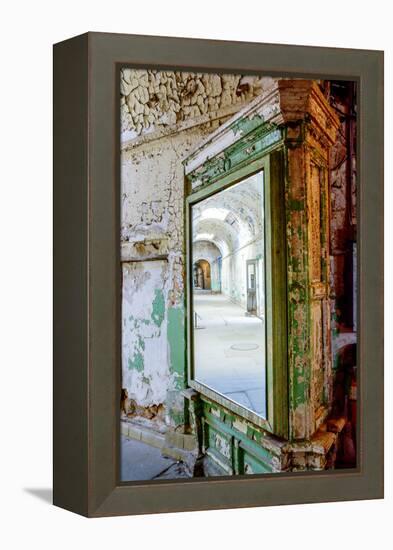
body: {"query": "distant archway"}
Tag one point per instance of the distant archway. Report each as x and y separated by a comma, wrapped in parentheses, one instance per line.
(202, 275)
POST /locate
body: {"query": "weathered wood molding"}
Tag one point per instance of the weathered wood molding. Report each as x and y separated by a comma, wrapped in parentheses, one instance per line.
(311, 126)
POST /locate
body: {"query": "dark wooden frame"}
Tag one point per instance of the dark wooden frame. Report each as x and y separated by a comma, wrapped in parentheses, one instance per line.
(87, 274)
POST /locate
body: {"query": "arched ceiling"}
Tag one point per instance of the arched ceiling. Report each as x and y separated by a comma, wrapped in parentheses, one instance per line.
(231, 218)
(218, 232)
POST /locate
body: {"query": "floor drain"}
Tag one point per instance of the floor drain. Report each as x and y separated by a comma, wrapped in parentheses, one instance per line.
(244, 347)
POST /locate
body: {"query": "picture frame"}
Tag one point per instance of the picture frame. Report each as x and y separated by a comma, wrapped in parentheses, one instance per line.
(87, 279)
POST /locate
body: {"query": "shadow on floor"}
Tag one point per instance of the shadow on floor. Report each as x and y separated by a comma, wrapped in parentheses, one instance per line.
(141, 462)
(44, 494)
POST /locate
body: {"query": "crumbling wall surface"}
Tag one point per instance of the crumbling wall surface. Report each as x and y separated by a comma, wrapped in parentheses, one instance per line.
(164, 115)
(151, 99)
(152, 242)
(146, 372)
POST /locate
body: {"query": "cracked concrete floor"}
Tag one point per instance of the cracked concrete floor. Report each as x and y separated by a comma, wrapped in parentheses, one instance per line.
(238, 374)
(142, 462)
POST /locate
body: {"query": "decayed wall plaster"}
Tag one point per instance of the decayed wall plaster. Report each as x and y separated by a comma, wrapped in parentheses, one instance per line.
(150, 99)
(158, 107)
(152, 230)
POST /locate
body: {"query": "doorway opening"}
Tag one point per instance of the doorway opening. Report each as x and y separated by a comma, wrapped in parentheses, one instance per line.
(202, 275)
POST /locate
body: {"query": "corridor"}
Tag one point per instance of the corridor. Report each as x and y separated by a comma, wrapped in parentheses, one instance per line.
(231, 354)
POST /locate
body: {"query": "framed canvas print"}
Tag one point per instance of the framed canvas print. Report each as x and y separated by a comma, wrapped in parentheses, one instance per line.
(218, 260)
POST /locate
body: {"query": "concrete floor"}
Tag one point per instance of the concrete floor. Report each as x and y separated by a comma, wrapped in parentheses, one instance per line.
(237, 374)
(140, 462)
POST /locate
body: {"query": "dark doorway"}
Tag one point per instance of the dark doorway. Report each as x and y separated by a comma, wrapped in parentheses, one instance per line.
(202, 277)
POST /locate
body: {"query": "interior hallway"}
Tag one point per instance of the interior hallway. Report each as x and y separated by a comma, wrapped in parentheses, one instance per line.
(231, 354)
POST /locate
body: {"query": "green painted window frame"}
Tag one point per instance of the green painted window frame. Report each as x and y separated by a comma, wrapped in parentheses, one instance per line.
(272, 164)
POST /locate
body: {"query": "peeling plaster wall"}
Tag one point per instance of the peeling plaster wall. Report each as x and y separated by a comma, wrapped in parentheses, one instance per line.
(153, 288)
(164, 116)
(146, 371)
(152, 99)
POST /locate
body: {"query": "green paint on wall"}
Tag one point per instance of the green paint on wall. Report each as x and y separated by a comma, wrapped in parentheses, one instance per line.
(177, 417)
(176, 340)
(141, 342)
(158, 308)
(136, 362)
(296, 205)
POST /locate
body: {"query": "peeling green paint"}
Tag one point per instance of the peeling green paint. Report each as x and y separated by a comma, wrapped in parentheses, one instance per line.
(158, 308)
(296, 205)
(141, 342)
(136, 362)
(298, 296)
(176, 340)
(245, 125)
(249, 446)
(260, 137)
(299, 340)
(177, 417)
